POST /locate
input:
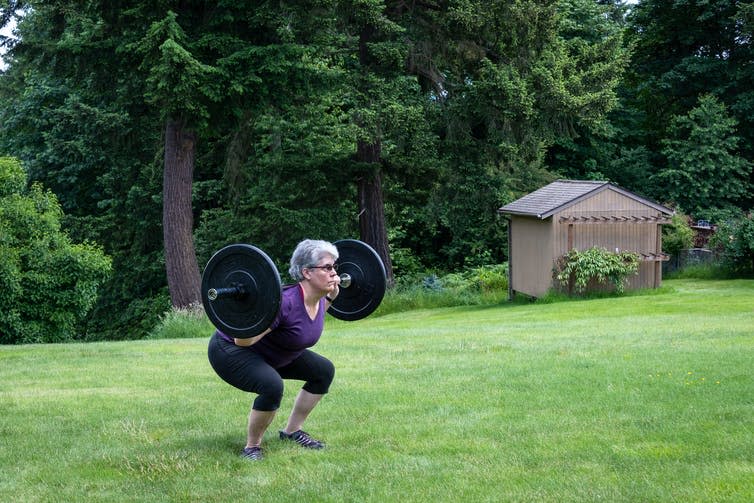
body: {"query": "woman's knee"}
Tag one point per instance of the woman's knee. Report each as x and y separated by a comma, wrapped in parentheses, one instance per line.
(328, 372)
(270, 395)
(320, 384)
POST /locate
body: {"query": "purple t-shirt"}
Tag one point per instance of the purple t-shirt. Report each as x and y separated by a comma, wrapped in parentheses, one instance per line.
(292, 330)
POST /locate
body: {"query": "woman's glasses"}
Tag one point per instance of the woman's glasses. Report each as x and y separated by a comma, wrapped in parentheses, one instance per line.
(327, 267)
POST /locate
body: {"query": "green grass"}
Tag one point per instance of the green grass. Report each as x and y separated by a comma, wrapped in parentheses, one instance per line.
(634, 398)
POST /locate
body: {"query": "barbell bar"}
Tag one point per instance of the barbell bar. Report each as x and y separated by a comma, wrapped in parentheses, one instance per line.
(242, 291)
(239, 290)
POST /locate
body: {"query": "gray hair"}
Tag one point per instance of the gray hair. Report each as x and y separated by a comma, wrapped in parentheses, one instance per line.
(308, 253)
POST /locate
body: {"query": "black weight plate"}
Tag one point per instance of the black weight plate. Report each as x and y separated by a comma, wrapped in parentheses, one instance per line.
(368, 280)
(250, 314)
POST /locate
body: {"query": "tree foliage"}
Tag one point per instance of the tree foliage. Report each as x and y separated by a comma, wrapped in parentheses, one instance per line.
(48, 284)
(516, 76)
(683, 52)
(704, 171)
(678, 235)
(734, 241)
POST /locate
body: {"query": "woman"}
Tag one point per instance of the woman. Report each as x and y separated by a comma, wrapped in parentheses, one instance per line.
(259, 364)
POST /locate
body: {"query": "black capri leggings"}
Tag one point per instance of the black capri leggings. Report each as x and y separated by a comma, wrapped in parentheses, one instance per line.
(247, 371)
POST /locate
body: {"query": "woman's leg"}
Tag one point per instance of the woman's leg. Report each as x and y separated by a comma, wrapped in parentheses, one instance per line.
(304, 404)
(318, 373)
(259, 420)
(247, 371)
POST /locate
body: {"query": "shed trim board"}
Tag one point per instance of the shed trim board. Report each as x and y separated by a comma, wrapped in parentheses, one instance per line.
(658, 219)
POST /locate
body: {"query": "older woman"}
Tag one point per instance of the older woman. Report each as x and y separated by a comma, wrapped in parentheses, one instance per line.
(259, 365)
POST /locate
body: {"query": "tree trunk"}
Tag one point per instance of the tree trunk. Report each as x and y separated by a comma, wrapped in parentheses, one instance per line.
(184, 281)
(372, 227)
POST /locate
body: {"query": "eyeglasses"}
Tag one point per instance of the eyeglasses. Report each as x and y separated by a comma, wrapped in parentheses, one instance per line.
(328, 267)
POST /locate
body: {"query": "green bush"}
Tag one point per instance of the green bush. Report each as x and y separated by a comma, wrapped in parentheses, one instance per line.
(47, 283)
(734, 241)
(677, 236)
(581, 270)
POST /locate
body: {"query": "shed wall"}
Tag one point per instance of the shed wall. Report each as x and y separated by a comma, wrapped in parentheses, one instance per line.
(530, 253)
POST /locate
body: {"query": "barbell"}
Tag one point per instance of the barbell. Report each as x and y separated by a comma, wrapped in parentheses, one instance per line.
(242, 291)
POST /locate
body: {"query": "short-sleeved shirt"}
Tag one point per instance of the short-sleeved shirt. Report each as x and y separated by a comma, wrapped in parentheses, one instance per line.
(292, 330)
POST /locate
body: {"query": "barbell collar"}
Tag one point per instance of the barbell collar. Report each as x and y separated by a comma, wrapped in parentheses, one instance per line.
(236, 291)
(345, 280)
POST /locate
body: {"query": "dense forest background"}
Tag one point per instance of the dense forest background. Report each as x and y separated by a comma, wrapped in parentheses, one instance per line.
(168, 129)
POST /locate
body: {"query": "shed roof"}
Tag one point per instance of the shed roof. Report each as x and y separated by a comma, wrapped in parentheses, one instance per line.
(558, 195)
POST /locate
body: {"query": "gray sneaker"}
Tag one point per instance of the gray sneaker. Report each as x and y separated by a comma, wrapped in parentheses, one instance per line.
(252, 453)
(302, 438)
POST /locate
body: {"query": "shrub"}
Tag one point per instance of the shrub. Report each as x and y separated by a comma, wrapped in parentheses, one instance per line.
(579, 270)
(47, 284)
(734, 241)
(492, 277)
(678, 235)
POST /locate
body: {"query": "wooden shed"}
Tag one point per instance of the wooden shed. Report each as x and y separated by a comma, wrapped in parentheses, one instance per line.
(573, 214)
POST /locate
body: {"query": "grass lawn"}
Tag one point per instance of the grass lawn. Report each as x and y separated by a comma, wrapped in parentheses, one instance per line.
(638, 398)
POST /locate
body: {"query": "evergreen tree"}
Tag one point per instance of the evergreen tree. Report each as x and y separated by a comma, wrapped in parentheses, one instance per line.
(74, 113)
(517, 76)
(589, 151)
(683, 50)
(704, 171)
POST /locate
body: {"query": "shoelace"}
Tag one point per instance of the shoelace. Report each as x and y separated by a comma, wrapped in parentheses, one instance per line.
(302, 438)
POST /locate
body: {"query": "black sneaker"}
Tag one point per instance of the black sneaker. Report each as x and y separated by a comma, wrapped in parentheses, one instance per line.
(252, 453)
(302, 438)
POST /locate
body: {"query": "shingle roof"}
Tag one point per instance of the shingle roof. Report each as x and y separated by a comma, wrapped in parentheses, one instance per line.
(558, 195)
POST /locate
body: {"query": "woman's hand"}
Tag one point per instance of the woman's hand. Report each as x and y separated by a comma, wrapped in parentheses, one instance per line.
(335, 289)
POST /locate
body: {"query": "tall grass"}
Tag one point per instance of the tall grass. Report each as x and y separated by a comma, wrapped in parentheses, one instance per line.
(484, 285)
(635, 398)
(702, 271)
(182, 324)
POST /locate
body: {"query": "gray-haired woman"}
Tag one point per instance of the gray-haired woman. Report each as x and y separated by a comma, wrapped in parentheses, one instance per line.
(259, 365)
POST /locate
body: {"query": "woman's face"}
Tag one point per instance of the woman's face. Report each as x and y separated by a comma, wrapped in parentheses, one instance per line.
(324, 276)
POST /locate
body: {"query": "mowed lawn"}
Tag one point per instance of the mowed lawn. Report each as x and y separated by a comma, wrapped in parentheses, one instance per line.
(638, 398)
